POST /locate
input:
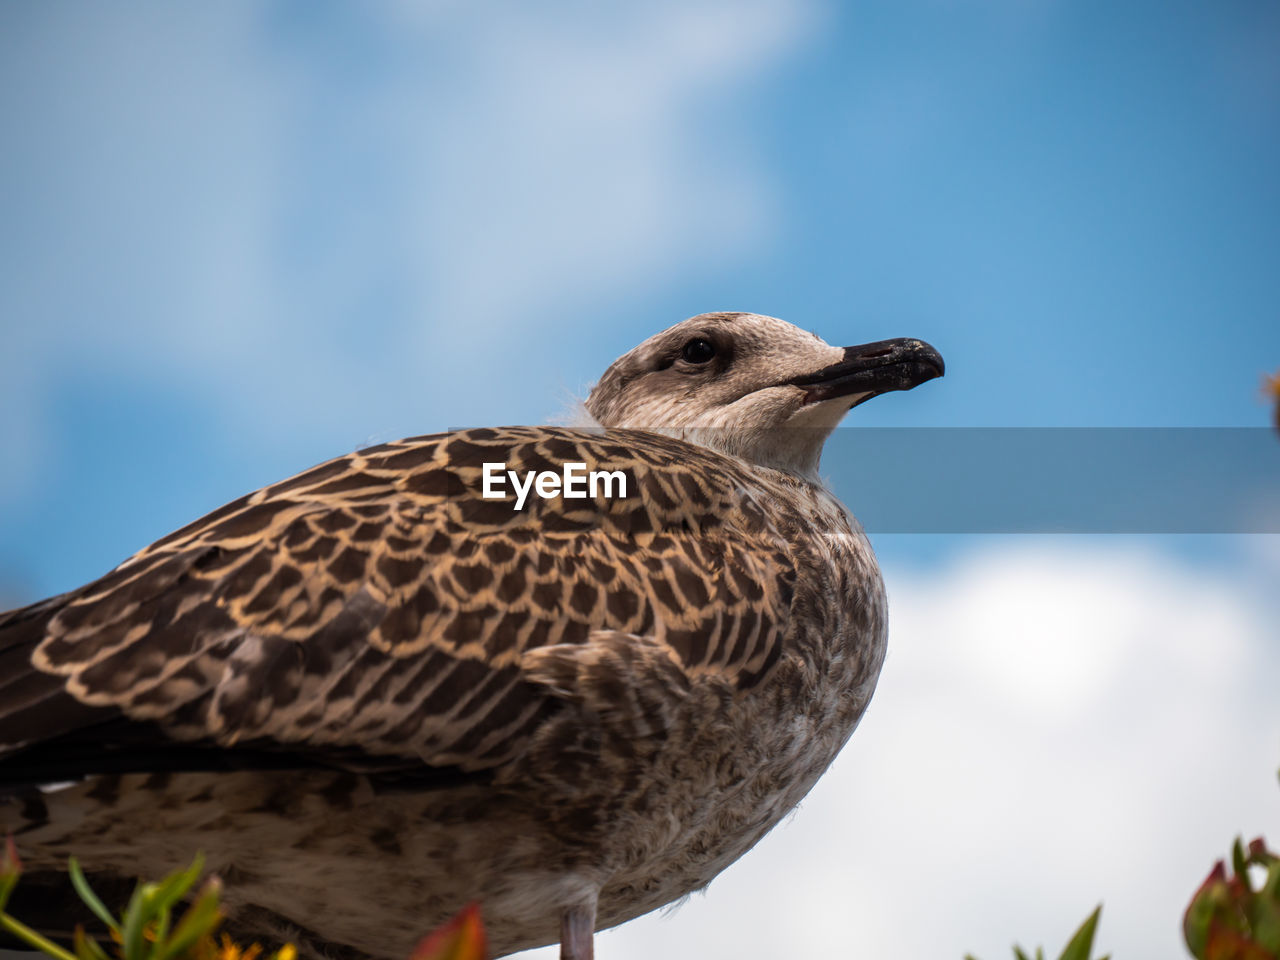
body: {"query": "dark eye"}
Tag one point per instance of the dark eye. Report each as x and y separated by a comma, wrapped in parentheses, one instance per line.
(698, 351)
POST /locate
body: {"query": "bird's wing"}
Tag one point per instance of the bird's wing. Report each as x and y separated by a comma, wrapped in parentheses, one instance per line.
(378, 611)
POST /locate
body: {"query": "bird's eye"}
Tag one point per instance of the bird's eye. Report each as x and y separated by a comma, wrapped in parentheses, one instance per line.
(698, 351)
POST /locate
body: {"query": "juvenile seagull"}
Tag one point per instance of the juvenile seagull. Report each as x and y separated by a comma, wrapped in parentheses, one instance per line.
(370, 694)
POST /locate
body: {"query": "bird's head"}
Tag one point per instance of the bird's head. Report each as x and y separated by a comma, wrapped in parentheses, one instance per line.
(753, 386)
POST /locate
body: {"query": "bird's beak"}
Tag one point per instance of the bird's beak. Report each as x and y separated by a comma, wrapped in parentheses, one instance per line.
(871, 369)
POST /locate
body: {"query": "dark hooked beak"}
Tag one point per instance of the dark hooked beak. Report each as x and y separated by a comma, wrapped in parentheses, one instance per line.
(871, 369)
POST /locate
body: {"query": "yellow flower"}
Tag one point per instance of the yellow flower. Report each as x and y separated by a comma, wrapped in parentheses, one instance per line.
(228, 949)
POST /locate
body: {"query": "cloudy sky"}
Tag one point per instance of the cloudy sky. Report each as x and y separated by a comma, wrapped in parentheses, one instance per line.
(236, 239)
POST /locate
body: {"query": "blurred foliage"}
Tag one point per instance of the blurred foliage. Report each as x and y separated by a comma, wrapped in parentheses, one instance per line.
(1079, 947)
(462, 938)
(1231, 917)
(154, 928)
(1228, 919)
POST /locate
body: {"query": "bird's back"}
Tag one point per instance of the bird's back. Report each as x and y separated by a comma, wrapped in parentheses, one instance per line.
(370, 693)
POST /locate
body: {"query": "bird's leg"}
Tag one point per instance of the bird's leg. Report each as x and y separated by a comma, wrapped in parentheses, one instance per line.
(577, 929)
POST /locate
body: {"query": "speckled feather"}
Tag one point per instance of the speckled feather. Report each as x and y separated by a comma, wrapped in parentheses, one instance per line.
(376, 605)
(377, 602)
(371, 695)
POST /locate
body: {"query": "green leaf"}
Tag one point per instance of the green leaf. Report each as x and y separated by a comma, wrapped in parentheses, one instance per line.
(1264, 913)
(136, 917)
(1080, 946)
(33, 939)
(1271, 885)
(201, 919)
(161, 929)
(90, 898)
(88, 948)
(1240, 865)
(175, 886)
(169, 892)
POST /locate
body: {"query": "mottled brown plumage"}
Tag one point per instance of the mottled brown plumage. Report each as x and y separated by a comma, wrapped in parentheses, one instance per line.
(371, 694)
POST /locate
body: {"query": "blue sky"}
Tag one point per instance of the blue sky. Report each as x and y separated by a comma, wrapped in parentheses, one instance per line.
(237, 239)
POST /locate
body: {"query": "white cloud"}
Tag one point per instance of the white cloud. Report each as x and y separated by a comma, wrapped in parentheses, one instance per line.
(310, 217)
(598, 165)
(1059, 723)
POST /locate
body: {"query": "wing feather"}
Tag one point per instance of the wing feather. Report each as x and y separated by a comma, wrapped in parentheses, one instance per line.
(378, 608)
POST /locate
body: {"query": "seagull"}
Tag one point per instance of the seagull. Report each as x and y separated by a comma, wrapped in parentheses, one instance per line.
(379, 690)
